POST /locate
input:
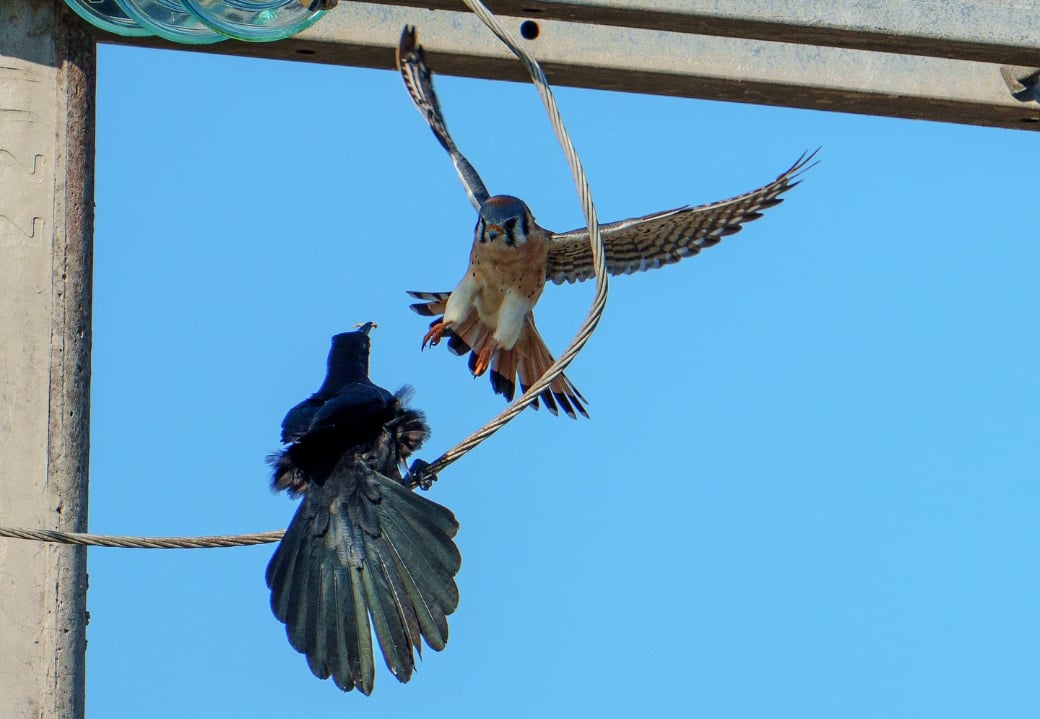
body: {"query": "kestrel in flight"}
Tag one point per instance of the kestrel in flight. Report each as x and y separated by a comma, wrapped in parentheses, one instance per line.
(490, 312)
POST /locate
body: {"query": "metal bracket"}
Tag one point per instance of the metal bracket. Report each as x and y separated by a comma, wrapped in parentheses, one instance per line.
(1023, 82)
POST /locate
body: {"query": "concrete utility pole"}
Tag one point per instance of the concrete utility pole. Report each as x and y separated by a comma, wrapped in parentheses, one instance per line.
(47, 85)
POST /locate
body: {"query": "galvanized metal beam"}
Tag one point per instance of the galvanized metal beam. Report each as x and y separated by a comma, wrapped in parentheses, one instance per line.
(1003, 33)
(614, 57)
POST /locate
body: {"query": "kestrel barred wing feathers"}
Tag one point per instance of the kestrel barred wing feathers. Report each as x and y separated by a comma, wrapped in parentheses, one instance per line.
(663, 238)
(411, 61)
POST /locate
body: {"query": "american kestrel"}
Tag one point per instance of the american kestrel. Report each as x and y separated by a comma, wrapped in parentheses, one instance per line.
(362, 546)
(490, 312)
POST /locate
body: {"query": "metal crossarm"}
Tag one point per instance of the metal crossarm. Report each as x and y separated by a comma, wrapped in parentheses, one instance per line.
(926, 60)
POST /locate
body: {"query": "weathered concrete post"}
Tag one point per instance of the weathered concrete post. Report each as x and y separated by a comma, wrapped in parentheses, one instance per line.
(47, 86)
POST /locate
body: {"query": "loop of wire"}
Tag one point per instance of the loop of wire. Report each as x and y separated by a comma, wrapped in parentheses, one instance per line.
(425, 476)
(599, 301)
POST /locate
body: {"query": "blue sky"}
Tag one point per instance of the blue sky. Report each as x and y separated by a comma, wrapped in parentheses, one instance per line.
(809, 484)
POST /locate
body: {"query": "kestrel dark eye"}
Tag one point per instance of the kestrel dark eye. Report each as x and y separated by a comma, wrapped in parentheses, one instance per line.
(510, 225)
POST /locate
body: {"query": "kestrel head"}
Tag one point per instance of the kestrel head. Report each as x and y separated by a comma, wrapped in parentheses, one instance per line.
(504, 218)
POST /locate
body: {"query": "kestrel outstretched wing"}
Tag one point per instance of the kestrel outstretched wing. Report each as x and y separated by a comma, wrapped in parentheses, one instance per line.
(411, 61)
(645, 243)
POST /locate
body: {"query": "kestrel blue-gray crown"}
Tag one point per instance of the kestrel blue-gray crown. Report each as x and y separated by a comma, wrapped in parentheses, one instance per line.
(500, 208)
(503, 215)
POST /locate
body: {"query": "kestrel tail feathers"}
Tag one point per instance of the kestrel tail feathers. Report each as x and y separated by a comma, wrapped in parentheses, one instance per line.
(523, 364)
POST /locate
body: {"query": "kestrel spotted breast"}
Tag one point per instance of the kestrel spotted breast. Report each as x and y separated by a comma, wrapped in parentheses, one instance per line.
(490, 312)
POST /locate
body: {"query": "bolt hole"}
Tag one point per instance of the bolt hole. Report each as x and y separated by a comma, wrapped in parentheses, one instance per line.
(531, 10)
(529, 29)
(1030, 119)
(304, 51)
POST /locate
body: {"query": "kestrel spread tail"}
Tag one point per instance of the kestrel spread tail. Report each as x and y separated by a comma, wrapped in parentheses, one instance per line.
(524, 363)
(362, 552)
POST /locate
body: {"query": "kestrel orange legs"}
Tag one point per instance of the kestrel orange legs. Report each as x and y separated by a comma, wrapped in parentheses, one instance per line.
(484, 358)
(433, 336)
